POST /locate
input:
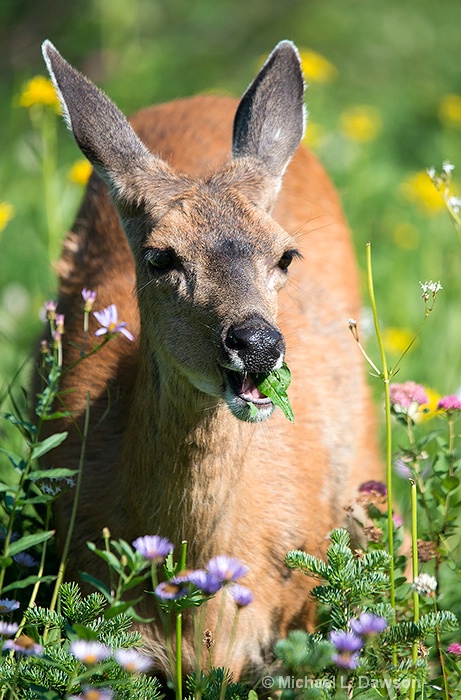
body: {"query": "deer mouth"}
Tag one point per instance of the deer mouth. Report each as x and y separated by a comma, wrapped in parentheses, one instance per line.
(242, 395)
(243, 385)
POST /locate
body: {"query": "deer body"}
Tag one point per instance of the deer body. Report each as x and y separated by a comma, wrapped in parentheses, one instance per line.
(172, 449)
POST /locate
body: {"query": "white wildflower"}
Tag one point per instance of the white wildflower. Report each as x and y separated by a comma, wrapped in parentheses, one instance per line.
(430, 286)
(425, 584)
(431, 172)
(455, 204)
(447, 167)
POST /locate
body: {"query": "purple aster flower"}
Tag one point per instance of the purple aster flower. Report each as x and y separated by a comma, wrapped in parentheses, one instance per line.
(226, 569)
(89, 297)
(346, 660)
(89, 653)
(7, 605)
(8, 629)
(168, 590)
(132, 661)
(203, 580)
(347, 645)
(450, 404)
(345, 641)
(24, 645)
(108, 318)
(25, 559)
(454, 648)
(368, 625)
(153, 547)
(241, 594)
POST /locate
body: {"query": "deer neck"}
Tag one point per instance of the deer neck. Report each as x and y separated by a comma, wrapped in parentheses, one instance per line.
(187, 450)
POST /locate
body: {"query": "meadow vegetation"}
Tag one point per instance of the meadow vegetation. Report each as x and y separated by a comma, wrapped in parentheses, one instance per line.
(385, 118)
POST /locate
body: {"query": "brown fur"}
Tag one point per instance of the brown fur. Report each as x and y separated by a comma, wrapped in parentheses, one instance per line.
(164, 457)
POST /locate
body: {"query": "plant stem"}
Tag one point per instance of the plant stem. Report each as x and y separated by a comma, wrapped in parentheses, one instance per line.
(414, 570)
(179, 656)
(70, 529)
(385, 377)
(440, 655)
(182, 566)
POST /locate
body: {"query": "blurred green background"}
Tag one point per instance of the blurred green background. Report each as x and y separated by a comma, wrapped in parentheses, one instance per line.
(384, 99)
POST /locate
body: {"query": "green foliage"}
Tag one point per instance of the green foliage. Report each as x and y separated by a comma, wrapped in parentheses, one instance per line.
(218, 684)
(57, 672)
(349, 580)
(274, 385)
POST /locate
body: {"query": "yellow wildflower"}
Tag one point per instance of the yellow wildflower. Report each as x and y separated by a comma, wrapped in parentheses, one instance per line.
(418, 188)
(80, 172)
(428, 410)
(361, 123)
(316, 68)
(396, 340)
(6, 214)
(39, 91)
(450, 110)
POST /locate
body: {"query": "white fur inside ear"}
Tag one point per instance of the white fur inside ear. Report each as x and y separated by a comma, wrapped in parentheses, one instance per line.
(48, 48)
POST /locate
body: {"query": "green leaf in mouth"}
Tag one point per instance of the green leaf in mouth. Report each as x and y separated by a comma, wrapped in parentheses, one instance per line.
(274, 385)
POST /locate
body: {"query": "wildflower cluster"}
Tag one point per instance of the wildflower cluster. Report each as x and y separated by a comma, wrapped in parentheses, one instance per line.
(220, 571)
(348, 644)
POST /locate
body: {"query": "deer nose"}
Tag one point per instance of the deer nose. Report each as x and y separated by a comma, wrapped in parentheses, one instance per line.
(258, 344)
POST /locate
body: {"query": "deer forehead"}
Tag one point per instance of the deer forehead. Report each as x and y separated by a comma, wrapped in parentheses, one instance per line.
(219, 224)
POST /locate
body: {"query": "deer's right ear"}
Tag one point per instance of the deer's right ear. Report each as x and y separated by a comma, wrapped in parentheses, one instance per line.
(269, 122)
(100, 129)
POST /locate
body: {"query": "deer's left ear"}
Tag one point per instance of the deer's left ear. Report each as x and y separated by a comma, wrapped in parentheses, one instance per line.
(269, 123)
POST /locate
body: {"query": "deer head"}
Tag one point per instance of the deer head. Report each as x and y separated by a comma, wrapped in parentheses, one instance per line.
(209, 257)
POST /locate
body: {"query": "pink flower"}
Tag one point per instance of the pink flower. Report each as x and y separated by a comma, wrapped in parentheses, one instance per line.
(450, 404)
(108, 318)
(454, 648)
(373, 487)
(404, 395)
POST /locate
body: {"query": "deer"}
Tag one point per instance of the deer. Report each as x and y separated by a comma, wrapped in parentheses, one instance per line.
(223, 244)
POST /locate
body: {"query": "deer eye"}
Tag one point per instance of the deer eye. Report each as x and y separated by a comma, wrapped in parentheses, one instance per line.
(160, 260)
(286, 259)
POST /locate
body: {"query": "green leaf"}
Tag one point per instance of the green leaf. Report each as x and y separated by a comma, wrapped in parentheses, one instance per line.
(23, 583)
(16, 460)
(120, 607)
(41, 448)
(58, 473)
(108, 557)
(29, 541)
(99, 585)
(82, 632)
(450, 483)
(274, 385)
